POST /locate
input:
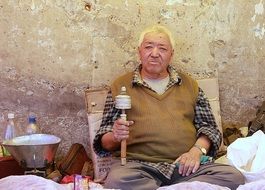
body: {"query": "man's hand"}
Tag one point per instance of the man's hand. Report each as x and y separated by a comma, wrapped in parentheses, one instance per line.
(111, 140)
(121, 130)
(189, 162)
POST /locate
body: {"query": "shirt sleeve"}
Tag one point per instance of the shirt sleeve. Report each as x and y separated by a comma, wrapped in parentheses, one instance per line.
(204, 122)
(110, 114)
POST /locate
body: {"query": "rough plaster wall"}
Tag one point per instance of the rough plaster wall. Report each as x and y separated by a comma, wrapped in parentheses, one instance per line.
(240, 60)
(51, 50)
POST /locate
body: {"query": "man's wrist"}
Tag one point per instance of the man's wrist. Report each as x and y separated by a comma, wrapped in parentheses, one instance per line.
(115, 140)
(108, 142)
(202, 149)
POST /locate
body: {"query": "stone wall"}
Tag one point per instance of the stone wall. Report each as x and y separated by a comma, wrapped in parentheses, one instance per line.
(52, 50)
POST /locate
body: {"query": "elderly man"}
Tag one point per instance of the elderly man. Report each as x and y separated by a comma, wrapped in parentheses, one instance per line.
(170, 125)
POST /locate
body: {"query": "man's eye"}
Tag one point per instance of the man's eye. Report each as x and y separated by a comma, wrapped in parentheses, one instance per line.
(163, 49)
(148, 47)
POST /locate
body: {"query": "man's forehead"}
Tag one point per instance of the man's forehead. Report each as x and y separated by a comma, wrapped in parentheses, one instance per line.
(156, 37)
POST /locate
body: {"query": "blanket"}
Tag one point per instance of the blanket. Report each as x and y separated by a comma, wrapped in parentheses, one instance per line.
(32, 182)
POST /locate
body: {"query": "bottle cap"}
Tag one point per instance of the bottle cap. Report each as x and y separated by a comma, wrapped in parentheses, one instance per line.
(32, 119)
(10, 116)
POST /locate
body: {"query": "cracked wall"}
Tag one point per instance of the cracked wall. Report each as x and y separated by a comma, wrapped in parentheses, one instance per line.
(51, 50)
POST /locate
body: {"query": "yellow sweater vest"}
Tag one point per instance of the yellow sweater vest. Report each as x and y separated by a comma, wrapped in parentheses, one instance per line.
(163, 124)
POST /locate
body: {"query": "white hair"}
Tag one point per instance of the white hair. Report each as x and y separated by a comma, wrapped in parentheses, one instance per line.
(157, 29)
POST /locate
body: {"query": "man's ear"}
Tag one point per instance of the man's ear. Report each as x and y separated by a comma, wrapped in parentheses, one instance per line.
(172, 54)
(138, 51)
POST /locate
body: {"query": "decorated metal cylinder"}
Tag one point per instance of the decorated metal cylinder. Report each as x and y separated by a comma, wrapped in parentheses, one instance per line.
(123, 101)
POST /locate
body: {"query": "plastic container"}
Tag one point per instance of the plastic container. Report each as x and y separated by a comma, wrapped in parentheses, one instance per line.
(32, 127)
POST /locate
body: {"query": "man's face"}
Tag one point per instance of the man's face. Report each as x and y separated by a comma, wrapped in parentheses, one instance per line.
(155, 54)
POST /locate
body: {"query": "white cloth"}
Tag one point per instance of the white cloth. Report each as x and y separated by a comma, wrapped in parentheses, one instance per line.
(257, 185)
(31, 182)
(247, 155)
(195, 185)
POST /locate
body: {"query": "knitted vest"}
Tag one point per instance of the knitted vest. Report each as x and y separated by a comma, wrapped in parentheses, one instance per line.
(163, 124)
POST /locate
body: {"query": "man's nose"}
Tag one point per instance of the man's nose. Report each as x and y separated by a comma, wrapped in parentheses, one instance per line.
(155, 52)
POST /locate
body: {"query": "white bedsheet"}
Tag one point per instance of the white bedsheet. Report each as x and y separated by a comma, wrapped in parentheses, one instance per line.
(256, 185)
(31, 182)
(195, 185)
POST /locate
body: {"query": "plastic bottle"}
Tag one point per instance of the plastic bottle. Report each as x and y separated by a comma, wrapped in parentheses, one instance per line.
(2, 127)
(10, 128)
(32, 127)
(10, 131)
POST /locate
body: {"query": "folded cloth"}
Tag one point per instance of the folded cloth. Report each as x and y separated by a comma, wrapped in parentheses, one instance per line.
(206, 159)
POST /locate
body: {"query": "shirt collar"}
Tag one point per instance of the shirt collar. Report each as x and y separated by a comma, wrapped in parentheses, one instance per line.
(174, 77)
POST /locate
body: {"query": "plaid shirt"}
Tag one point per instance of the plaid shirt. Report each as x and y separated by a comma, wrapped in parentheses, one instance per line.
(204, 121)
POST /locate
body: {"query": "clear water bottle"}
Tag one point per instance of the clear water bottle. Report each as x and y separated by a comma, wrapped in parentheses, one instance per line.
(10, 131)
(10, 128)
(2, 128)
(32, 127)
